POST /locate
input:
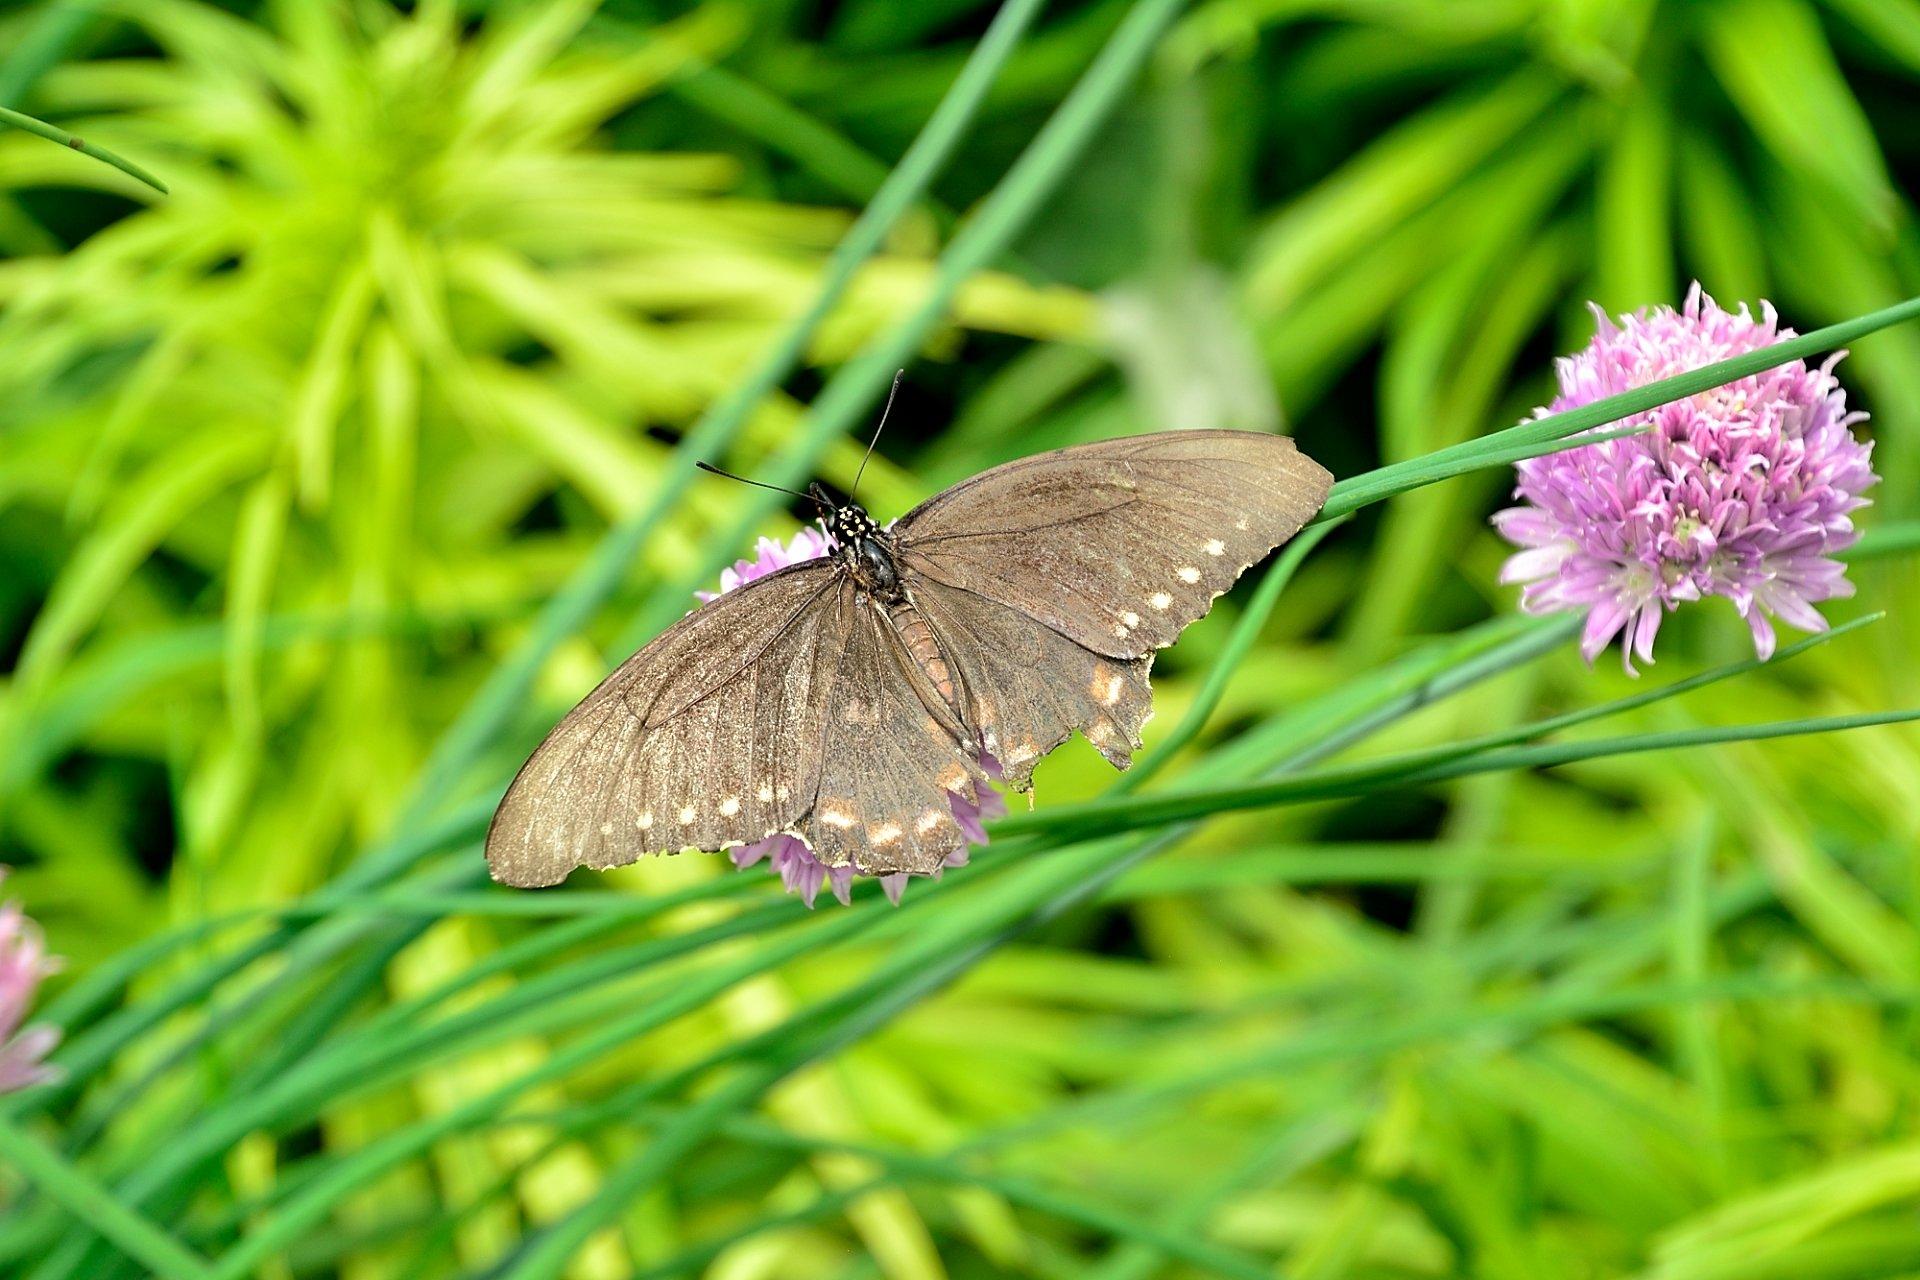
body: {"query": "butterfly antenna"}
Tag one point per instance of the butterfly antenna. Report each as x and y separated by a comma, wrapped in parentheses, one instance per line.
(758, 484)
(876, 434)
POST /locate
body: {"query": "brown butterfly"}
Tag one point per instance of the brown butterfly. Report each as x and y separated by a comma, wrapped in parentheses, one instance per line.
(841, 700)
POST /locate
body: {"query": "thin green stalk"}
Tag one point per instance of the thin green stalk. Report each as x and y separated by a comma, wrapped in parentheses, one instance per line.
(1368, 1036)
(1498, 960)
(316, 1200)
(1352, 494)
(1293, 1147)
(1246, 634)
(1632, 702)
(505, 690)
(1456, 663)
(905, 1166)
(372, 1062)
(951, 945)
(823, 151)
(42, 129)
(1038, 172)
(91, 1050)
(1085, 821)
(1894, 539)
(99, 1208)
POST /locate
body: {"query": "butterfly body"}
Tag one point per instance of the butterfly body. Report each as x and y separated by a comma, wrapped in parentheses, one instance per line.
(846, 700)
(867, 551)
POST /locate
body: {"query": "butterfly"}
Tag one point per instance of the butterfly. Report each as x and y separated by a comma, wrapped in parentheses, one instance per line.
(841, 700)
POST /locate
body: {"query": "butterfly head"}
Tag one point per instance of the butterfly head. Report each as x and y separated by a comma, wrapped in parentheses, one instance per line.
(864, 547)
(850, 526)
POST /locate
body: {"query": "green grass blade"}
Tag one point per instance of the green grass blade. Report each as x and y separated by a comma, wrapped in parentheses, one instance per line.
(1220, 673)
(1086, 821)
(1895, 539)
(901, 1166)
(352, 1174)
(590, 587)
(98, 1209)
(1375, 486)
(42, 129)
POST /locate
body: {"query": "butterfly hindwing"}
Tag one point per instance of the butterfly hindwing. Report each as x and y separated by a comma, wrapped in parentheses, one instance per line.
(1026, 687)
(1118, 544)
(893, 758)
(708, 737)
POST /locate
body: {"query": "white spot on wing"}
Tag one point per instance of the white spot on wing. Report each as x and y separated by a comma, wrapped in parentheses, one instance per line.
(1215, 547)
(1131, 618)
(606, 828)
(1189, 574)
(729, 806)
(764, 794)
(885, 834)
(686, 816)
(929, 820)
(1160, 600)
(644, 821)
(1241, 524)
(837, 818)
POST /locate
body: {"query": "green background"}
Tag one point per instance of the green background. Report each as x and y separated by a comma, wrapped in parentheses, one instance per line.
(329, 480)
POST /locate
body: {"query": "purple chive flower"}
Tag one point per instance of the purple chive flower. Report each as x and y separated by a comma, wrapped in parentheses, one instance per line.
(1745, 491)
(788, 856)
(23, 962)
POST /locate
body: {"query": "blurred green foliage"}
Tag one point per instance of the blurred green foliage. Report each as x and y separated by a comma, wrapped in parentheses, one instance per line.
(291, 459)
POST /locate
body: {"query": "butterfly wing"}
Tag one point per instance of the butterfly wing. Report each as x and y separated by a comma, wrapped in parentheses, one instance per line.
(1116, 545)
(1026, 687)
(703, 739)
(893, 758)
(785, 705)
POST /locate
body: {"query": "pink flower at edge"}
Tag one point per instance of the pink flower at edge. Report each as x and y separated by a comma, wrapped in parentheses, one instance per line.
(1745, 491)
(788, 856)
(23, 963)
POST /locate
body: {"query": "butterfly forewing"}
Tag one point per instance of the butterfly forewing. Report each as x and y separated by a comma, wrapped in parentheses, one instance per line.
(710, 736)
(1119, 544)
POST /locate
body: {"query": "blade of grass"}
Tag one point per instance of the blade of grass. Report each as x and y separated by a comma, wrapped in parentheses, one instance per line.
(1633, 702)
(1245, 633)
(94, 1048)
(41, 128)
(1295, 1146)
(1894, 539)
(278, 1232)
(952, 943)
(370, 1062)
(1377, 485)
(1451, 666)
(1086, 821)
(503, 694)
(1369, 1037)
(93, 1204)
(902, 1166)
